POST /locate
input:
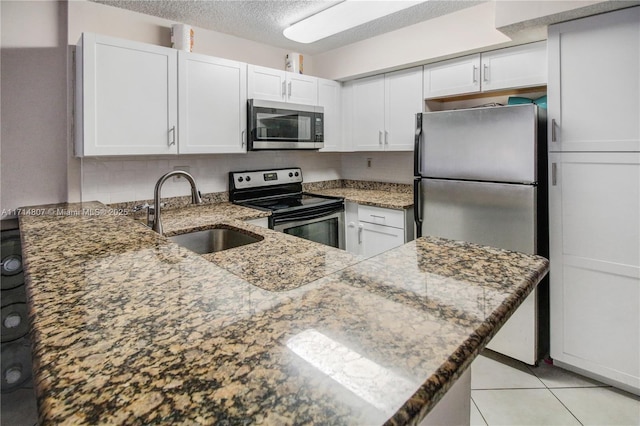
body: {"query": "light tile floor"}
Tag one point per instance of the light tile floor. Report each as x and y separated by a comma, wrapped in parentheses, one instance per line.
(508, 392)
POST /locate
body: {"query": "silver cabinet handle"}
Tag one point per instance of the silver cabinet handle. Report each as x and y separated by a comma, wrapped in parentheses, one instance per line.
(386, 137)
(284, 92)
(360, 228)
(553, 131)
(554, 174)
(379, 137)
(379, 217)
(172, 133)
(475, 74)
(242, 138)
(486, 73)
(289, 89)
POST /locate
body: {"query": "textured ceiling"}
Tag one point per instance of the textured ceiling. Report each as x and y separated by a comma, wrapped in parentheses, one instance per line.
(264, 20)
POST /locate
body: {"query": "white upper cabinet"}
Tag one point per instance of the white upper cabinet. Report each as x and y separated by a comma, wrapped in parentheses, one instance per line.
(383, 110)
(212, 105)
(594, 65)
(519, 66)
(302, 89)
(510, 68)
(141, 99)
(454, 77)
(330, 98)
(368, 113)
(126, 97)
(277, 85)
(403, 100)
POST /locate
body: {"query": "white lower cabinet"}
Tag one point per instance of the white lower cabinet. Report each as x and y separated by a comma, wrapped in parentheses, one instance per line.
(374, 230)
(377, 239)
(594, 209)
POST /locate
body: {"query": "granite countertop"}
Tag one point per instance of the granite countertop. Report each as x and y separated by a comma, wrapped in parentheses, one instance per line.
(371, 197)
(128, 327)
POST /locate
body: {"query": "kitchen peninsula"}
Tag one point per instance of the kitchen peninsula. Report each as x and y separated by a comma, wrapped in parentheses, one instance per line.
(129, 327)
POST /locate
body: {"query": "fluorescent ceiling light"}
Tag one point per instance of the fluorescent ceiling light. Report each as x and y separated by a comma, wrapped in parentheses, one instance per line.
(343, 16)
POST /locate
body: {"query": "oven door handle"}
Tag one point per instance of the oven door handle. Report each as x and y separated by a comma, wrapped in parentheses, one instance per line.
(280, 220)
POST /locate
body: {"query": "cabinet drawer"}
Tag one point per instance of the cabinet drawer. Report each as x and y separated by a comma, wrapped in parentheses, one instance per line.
(381, 216)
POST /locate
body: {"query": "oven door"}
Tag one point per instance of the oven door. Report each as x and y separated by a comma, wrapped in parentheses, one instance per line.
(321, 227)
(278, 125)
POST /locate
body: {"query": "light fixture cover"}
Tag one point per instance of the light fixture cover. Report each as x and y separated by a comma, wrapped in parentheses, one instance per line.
(343, 16)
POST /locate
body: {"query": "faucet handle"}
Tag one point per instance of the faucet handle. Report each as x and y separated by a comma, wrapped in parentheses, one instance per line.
(140, 207)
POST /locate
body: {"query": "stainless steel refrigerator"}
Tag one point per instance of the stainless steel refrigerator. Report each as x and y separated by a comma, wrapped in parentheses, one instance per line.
(480, 176)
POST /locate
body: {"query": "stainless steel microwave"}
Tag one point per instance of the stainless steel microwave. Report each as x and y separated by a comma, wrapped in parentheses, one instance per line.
(281, 125)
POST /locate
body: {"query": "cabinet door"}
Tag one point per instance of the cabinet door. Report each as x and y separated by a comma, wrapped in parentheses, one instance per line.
(266, 83)
(377, 239)
(347, 116)
(302, 89)
(368, 114)
(594, 81)
(212, 105)
(127, 97)
(403, 100)
(352, 233)
(454, 77)
(594, 209)
(514, 67)
(329, 97)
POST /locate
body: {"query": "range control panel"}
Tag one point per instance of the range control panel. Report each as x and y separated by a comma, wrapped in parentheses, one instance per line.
(258, 178)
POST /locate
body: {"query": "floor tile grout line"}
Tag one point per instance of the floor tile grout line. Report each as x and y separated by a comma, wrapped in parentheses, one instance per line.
(481, 415)
(547, 387)
(567, 408)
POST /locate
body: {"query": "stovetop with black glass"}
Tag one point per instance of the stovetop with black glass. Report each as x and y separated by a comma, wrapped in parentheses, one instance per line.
(277, 190)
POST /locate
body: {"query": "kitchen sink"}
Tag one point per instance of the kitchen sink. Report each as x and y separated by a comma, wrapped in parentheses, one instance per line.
(214, 240)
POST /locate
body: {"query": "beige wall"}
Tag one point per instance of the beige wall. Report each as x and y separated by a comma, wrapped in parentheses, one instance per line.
(33, 147)
(459, 33)
(85, 16)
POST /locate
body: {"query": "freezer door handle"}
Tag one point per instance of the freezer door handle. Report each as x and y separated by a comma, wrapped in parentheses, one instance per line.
(416, 149)
(417, 206)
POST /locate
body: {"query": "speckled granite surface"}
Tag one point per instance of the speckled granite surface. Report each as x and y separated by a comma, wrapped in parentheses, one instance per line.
(371, 197)
(378, 194)
(129, 328)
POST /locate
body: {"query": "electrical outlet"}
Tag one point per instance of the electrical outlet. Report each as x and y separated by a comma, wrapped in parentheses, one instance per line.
(184, 169)
(368, 163)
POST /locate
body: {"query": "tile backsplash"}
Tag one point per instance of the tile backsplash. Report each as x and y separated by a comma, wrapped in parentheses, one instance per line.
(117, 180)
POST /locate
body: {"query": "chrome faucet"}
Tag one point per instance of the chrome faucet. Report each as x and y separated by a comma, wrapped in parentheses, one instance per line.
(195, 197)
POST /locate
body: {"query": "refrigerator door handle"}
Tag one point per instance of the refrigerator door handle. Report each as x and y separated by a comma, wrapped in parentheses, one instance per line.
(417, 205)
(416, 149)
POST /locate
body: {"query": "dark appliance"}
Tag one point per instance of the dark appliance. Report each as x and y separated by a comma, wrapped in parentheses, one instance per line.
(313, 217)
(281, 125)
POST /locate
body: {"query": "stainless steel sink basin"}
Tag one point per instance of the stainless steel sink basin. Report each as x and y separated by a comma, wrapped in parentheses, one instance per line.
(213, 240)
